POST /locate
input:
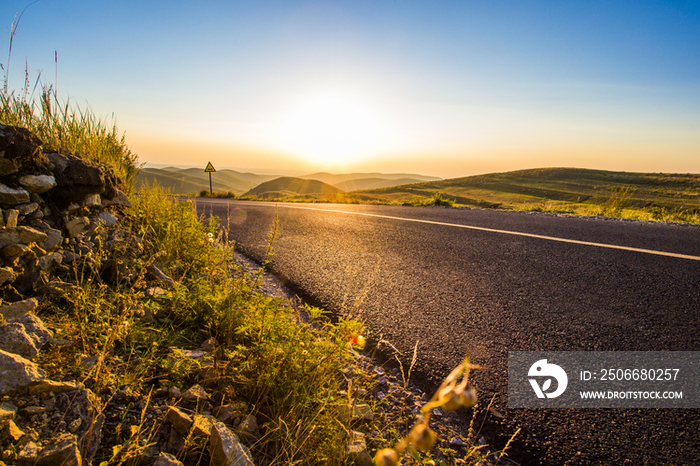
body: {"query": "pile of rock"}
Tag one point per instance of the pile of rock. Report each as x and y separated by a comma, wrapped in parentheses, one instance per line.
(52, 207)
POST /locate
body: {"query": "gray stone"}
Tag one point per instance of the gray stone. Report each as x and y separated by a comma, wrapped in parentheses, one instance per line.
(249, 427)
(180, 421)
(58, 289)
(36, 329)
(14, 339)
(6, 274)
(8, 410)
(13, 196)
(226, 449)
(166, 459)
(29, 453)
(108, 219)
(195, 393)
(53, 240)
(10, 216)
(16, 310)
(120, 200)
(347, 413)
(7, 167)
(357, 450)
(50, 260)
(76, 226)
(62, 451)
(75, 178)
(17, 372)
(14, 251)
(202, 425)
(53, 386)
(8, 235)
(92, 201)
(37, 184)
(30, 235)
(26, 209)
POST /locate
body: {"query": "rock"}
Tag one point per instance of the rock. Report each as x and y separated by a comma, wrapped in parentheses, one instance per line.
(166, 459)
(202, 425)
(12, 431)
(62, 451)
(10, 216)
(348, 413)
(29, 453)
(30, 235)
(92, 201)
(58, 289)
(7, 410)
(37, 184)
(50, 260)
(13, 252)
(155, 272)
(357, 450)
(227, 413)
(76, 226)
(75, 179)
(13, 196)
(226, 449)
(195, 393)
(82, 405)
(7, 167)
(17, 372)
(209, 345)
(53, 240)
(8, 236)
(53, 386)
(108, 219)
(26, 209)
(16, 310)
(21, 146)
(120, 200)
(6, 274)
(249, 427)
(35, 329)
(14, 339)
(180, 421)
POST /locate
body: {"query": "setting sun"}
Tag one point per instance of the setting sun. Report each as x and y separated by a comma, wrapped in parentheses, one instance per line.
(331, 129)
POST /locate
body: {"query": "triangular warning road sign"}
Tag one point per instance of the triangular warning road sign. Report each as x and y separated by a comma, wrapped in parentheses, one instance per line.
(210, 168)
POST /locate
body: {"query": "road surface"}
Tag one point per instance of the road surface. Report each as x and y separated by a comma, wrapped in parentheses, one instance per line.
(486, 282)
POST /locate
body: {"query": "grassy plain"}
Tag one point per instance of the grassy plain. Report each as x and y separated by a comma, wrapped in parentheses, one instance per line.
(574, 191)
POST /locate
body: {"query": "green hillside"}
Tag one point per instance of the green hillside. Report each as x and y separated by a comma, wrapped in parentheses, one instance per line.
(290, 186)
(566, 190)
(194, 180)
(395, 178)
(374, 183)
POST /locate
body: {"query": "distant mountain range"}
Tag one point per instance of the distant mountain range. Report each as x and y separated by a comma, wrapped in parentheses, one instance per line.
(194, 180)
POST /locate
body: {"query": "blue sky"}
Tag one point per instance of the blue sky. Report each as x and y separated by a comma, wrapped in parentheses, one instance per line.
(442, 88)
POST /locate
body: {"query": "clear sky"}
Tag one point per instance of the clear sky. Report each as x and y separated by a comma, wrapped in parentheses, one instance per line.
(445, 88)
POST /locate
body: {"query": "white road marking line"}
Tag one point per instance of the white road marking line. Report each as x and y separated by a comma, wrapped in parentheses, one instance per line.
(506, 232)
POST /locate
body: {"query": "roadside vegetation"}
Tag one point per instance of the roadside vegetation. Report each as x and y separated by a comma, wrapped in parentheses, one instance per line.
(292, 367)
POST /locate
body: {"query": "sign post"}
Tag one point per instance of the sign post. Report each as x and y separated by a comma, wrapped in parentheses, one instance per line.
(210, 169)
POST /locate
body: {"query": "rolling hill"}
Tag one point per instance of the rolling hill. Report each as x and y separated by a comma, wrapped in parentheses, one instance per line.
(554, 187)
(194, 180)
(290, 186)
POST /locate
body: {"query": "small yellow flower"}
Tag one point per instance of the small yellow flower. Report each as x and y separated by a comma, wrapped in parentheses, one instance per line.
(386, 457)
(422, 437)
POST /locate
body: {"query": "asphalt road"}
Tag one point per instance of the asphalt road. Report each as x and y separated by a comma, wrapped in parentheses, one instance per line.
(475, 290)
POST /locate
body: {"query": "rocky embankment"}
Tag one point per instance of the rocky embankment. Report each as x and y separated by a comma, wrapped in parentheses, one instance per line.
(54, 209)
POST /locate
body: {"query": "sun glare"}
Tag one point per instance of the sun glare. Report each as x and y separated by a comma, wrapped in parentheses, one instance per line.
(331, 129)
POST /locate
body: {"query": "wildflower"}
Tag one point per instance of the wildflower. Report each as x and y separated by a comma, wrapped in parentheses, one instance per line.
(386, 457)
(358, 342)
(422, 437)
